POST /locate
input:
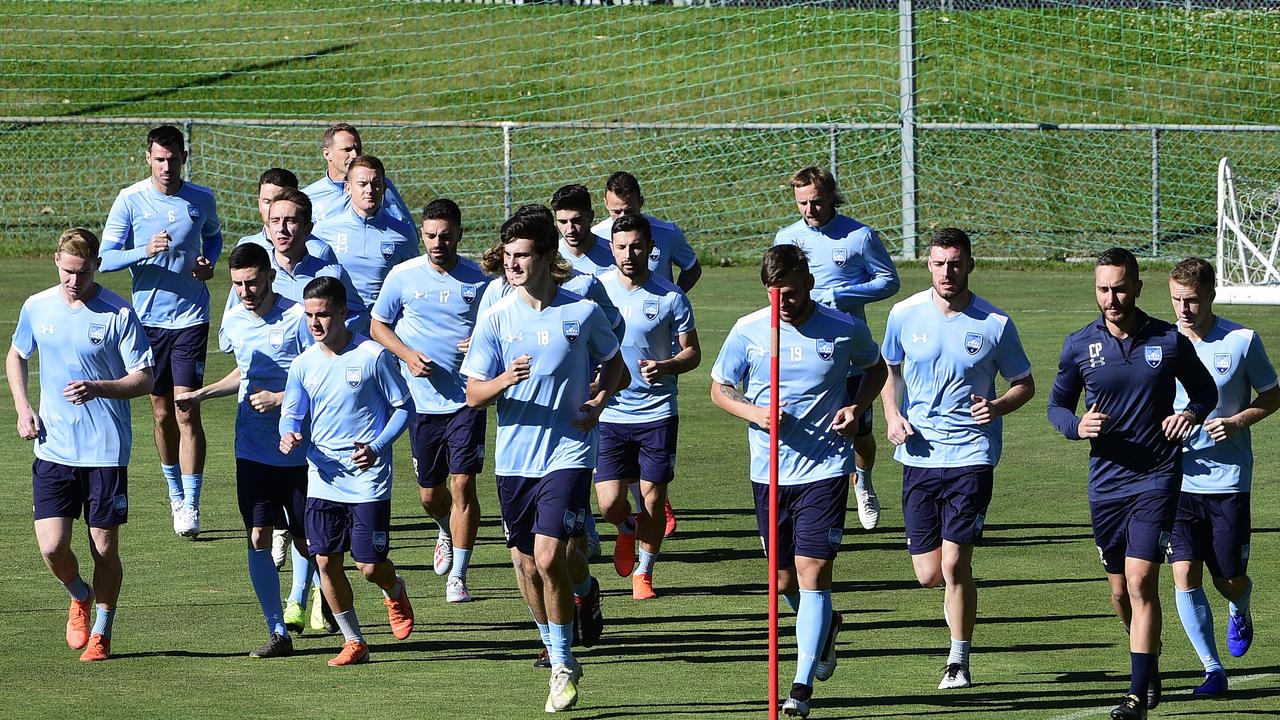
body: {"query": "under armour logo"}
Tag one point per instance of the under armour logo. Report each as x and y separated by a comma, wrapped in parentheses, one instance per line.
(516, 337)
(1095, 355)
(418, 294)
(923, 337)
(47, 329)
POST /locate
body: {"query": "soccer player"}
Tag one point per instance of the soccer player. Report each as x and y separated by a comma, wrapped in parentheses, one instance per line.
(270, 183)
(424, 315)
(94, 357)
(639, 427)
(340, 146)
(166, 231)
(265, 332)
(817, 346)
(1127, 362)
(367, 239)
(579, 246)
(944, 347)
(1213, 522)
(358, 404)
(534, 353)
(851, 268)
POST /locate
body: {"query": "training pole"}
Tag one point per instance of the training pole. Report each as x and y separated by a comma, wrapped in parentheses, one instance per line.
(775, 297)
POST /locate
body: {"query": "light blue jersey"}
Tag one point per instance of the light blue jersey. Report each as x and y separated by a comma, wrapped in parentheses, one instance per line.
(369, 247)
(291, 284)
(1239, 365)
(815, 358)
(669, 246)
(945, 360)
(102, 340)
(315, 246)
(652, 315)
(588, 286)
(850, 265)
(165, 293)
(566, 340)
(330, 199)
(596, 261)
(350, 398)
(432, 312)
(264, 348)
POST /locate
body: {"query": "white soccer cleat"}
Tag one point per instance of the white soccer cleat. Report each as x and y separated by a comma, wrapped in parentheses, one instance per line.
(826, 665)
(280, 541)
(868, 504)
(442, 561)
(955, 676)
(564, 687)
(455, 590)
(179, 522)
(188, 523)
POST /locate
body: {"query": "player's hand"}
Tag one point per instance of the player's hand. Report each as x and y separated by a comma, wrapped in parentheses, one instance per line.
(290, 442)
(158, 243)
(1221, 428)
(762, 417)
(264, 400)
(1177, 427)
(1092, 422)
(464, 345)
(28, 425)
(419, 365)
(79, 392)
(846, 421)
(519, 370)
(982, 410)
(899, 429)
(187, 401)
(203, 270)
(588, 415)
(651, 371)
(364, 456)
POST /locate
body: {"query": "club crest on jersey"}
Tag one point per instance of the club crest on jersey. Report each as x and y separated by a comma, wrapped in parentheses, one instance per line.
(571, 330)
(1154, 354)
(276, 338)
(972, 342)
(194, 212)
(651, 309)
(1222, 363)
(388, 249)
(380, 542)
(839, 256)
(469, 293)
(97, 333)
(655, 254)
(826, 348)
(353, 376)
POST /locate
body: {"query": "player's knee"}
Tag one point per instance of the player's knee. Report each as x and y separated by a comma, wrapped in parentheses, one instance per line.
(616, 509)
(463, 488)
(930, 578)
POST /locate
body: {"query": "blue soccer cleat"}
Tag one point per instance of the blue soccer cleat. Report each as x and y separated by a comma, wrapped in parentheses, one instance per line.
(1214, 685)
(1239, 634)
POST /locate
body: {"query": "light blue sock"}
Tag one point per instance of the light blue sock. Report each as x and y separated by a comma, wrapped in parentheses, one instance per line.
(582, 589)
(266, 585)
(303, 568)
(645, 566)
(77, 589)
(1241, 606)
(544, 632)
(173, 476)
(191, 485)
(461, 559)
(1197, 619)
(558, 648)
(959, 654)
(793, 601)
(812, 620)
(102, 620)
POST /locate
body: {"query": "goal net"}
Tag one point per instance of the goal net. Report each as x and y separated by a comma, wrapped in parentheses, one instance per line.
(1248, 237)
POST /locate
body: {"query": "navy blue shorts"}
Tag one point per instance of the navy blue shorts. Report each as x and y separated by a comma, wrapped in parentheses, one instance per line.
(554, 505)
(945, 504)
(445, 445)
(1137, 526)
(179, 356)
(864, 421)
(364, 529)
(1214, 528)
(644, 451)
(272, 495)
(810, 518)
(101, 494)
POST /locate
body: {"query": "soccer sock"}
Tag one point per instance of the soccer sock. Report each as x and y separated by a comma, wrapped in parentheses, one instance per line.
(637, 494)
(864, 479)
(443, 523)
(1197, 620)
(558, 637)
(1240, 606)
(628, 526)
(77, 588)
(959, 654)
(793, 601)
(394, 590)
(812, 621)
(645, 566)
(173, 476)
(461, 558)
(191, 485)
(102, 620)
(1141, 665)
(583, 589)
(303, 567)
(544, 632)
(266, 585)
(349, 625)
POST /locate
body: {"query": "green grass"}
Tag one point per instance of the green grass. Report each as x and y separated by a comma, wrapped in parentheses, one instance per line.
(1046, 644)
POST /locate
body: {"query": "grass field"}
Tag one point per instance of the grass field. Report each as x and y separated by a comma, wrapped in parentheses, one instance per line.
(1046, 647)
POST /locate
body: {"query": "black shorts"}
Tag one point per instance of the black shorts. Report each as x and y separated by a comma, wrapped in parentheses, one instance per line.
(179, 356)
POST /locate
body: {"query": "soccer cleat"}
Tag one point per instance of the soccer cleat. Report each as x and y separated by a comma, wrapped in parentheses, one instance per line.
(797, 705)
(99, 648)
(564, 687)
(280, 541)
(1239, 634)
(400, 612)
(179, 518)
(826, 665)
(670, 529)
(642, 587)
(354, 652)
(294, 617)
(1214, 685)
(955, 676)
(455, 590)
(588, 620)
(1130, 708)
(543, 660)
(190, 527)
(78, 623)
(624, 551)
(317, 619)
(442, 560)
(868, 505)
(1154, 687)
(278, 646)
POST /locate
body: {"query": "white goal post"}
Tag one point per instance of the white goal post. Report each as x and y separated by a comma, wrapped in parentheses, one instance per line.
(1248, 238)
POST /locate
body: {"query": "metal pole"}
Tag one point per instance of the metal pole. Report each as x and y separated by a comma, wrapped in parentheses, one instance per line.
(506, 166)
(832, 150)
(907, 110)
(186, 133)
(775, 305)
(1155, 192)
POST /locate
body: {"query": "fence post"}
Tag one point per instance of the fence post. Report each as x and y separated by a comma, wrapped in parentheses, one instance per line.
(506, 166)
(187, 125)
(907, 109)
(833, 149)
(1155, 192)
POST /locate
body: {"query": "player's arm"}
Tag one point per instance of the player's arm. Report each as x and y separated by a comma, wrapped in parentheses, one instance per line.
(882, 277)
(688, 358)
(613, 377)
(117, 234)
(874, 377)
(15, 367)
(730, 399)
(1263, 405)
(135, 384)
(293, 411)
(897, 428)
(228, 385)
(211, 248)
(689, 276)
(419, 364)
(480, 393)
(1065, 397)
(686, 259)
(1202, 393)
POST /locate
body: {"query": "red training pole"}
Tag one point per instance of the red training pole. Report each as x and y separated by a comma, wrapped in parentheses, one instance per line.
(775, 298)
